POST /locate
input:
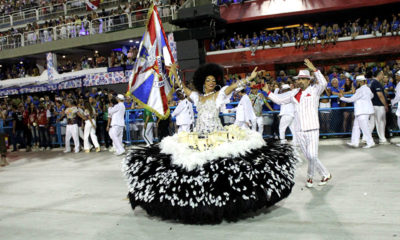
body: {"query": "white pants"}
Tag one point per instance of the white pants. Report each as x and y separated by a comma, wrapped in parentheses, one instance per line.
(81, 135)
(184, 128)
(90, 131)
(116, 133)
(378, 120)
(71, 131)
(148, 133)
(361, 122)
(285, 122)
(398, 122)
(309, 146)
(258, 125)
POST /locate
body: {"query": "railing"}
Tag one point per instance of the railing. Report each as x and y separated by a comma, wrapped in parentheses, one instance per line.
(51, 11)
(84, 28)
(11, 41)
(333, 122)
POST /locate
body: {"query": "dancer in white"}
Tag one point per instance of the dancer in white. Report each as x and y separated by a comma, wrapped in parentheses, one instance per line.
(363, 109)
(258, 100)
(245, 116)
(90, 128)
(116, 131)
(397, 100)
(287, 115)
(183, 113)
(72, 113)
(306, 122)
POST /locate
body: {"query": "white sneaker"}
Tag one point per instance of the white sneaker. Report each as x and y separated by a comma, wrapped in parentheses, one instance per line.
(119, 154)
(370, 146)
(398, 144)
(283, 141)
(112, 149)
(384, 142)
(67, 151)
(363, 141)
(147, 145)
(77, 151)
(352, 144)
(325, 180)
(309, 183)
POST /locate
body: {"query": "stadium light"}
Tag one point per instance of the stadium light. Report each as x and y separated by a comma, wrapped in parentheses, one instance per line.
(96, 51)
(21, 62)
(131, 41)
(1, 65)
(63, 56)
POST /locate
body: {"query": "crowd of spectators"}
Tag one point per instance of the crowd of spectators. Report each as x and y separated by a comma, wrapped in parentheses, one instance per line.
(8, 6)
(74, 26)
(31, 118)
(340, 80)
(115, 59)
(310, 34)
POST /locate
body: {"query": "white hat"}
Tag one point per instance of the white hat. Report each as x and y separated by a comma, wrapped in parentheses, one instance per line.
(398, 73)
(120, 97)
(285, 86)
(303, 74)
(360, 78)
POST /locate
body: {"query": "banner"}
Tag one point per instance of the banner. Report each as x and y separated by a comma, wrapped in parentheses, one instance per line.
(51, 60)
(149, 83)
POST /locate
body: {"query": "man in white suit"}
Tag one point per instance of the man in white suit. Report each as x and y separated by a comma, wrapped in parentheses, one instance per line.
(306, 123)
(116, 132)
(397, 100)
(363, 109)
(287, 115)
(245, 116)
(183, 113)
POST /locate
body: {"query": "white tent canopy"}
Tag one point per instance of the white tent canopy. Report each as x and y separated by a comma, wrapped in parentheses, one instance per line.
(44, 78)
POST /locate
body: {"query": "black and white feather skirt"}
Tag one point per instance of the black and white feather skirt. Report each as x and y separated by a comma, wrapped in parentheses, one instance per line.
(224, 188)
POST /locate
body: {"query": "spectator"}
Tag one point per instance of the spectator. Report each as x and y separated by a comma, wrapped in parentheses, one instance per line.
(90, 128)
(378, 119)
(18, 127)
(384, 28)
(394, 26)
(43, 123)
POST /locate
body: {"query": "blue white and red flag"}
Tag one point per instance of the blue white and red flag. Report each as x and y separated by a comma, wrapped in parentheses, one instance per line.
(149, 83)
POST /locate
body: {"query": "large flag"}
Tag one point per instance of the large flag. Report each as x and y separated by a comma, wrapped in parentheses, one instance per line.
(149, 83)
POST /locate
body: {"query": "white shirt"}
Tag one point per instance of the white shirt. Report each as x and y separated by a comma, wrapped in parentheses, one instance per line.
(396, 99)
(184, 113)
(305, 110)
(117, 114)
(362, 101)
(286, 109)
(244, 110)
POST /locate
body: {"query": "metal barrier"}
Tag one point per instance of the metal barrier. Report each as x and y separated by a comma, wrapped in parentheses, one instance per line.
(333, 122)
(11, 41)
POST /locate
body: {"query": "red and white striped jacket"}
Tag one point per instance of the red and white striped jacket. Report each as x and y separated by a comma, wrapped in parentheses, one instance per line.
(305, 103)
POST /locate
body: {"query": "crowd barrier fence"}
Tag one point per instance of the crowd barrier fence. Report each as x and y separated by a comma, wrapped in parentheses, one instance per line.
(336, 121)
